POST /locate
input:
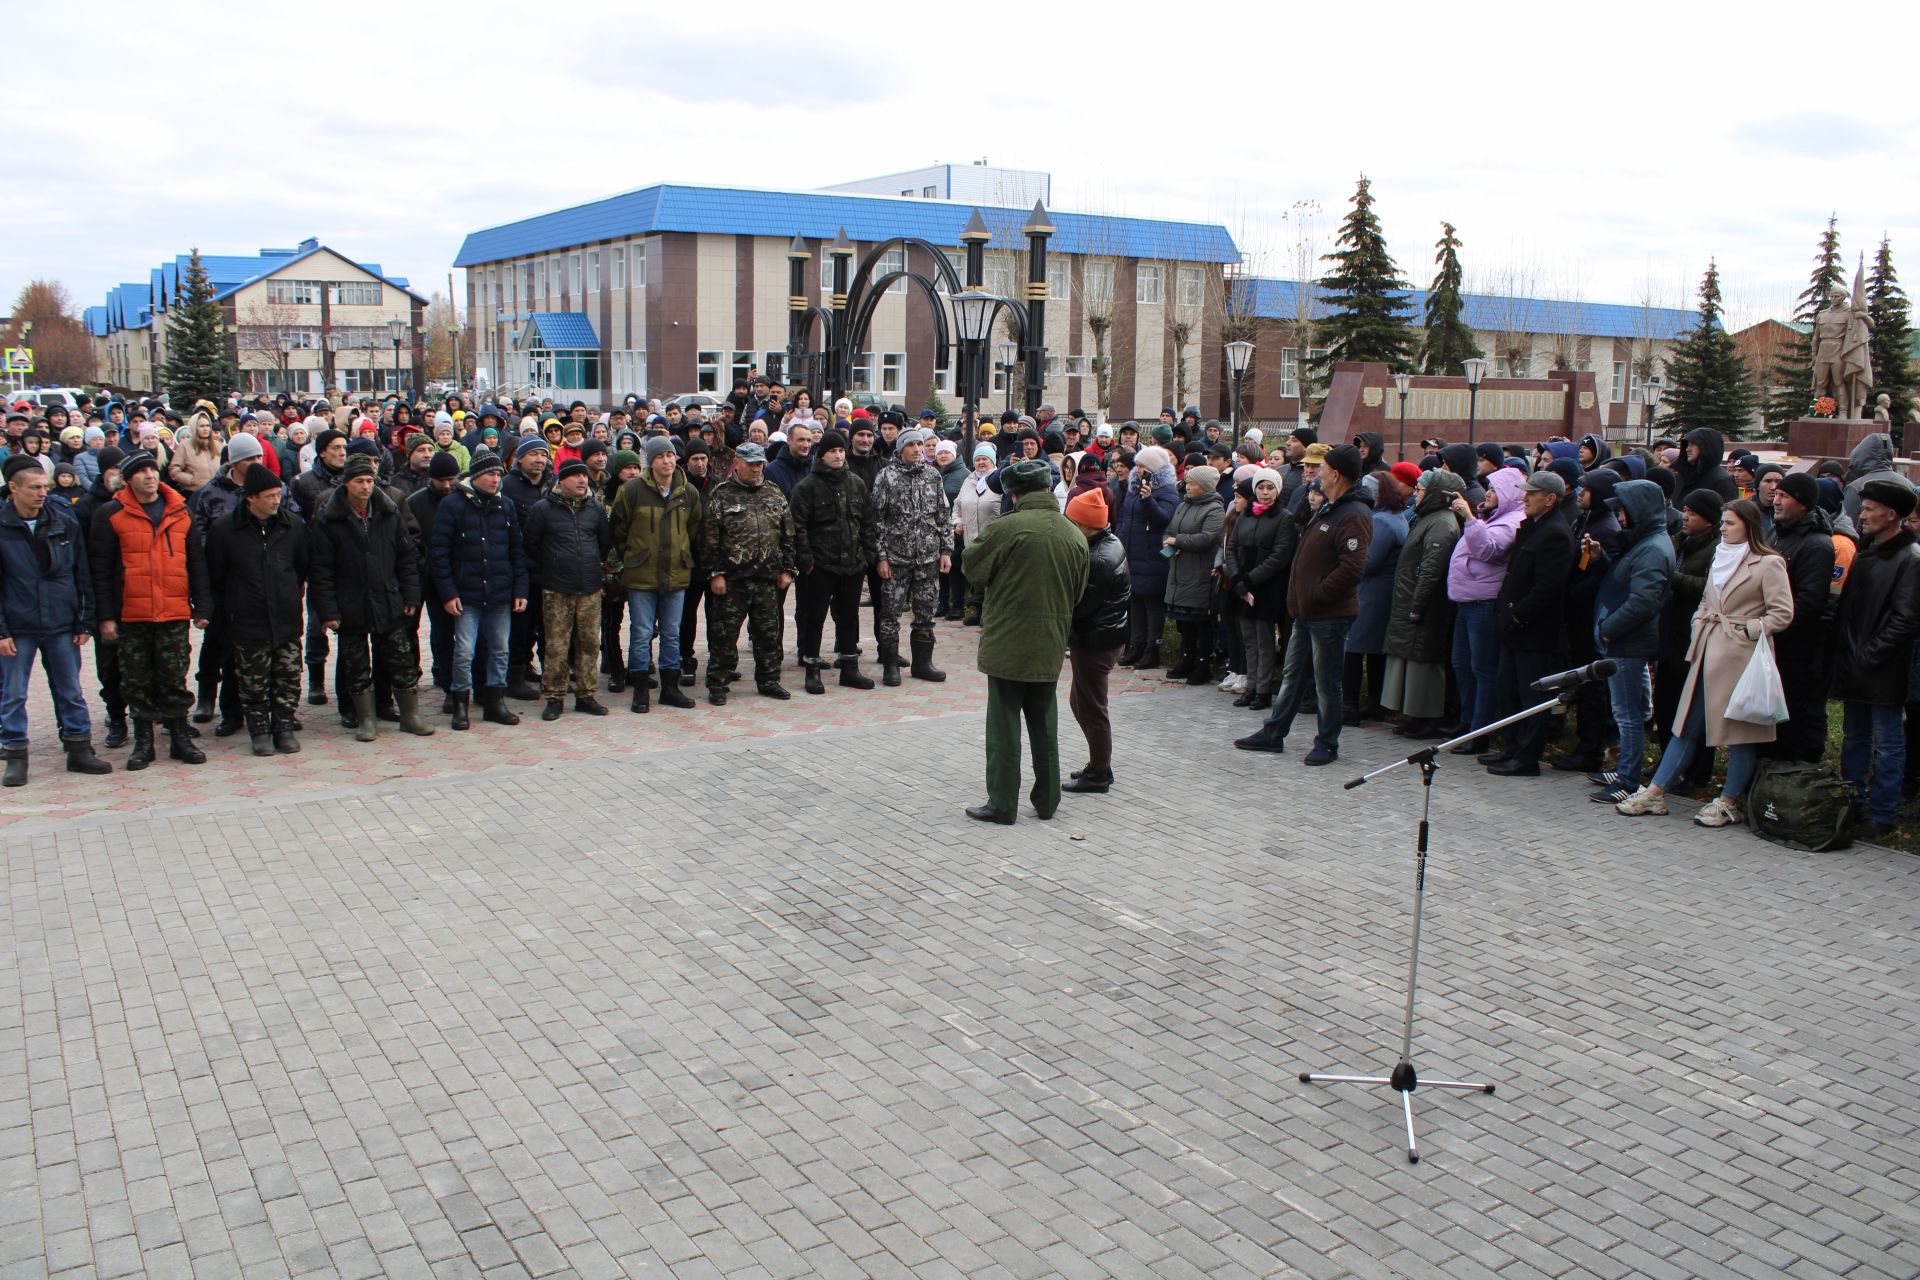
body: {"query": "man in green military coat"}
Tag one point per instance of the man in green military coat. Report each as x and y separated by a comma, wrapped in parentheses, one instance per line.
(1032, 564)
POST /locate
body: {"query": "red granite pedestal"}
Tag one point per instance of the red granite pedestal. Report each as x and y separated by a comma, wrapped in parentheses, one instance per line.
(1827, 437)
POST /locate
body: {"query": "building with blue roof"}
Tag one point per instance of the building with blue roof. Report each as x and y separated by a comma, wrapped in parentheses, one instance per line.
(1522, 338)
(678, 288)
(309, 320)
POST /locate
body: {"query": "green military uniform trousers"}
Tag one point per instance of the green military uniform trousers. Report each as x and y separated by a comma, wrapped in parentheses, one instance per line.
(1008, 703)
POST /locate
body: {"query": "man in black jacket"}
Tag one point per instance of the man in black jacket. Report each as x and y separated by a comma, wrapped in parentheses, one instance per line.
(567, 540)
(1873, 652)
(366, 590)
(1099, 630)
(1530, 621)
(257, 558)
(1801, 534)
(525, 485)
(833, 539)
(310, 489)
(422, 505)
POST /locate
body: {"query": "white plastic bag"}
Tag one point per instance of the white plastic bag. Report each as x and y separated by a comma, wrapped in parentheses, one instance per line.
(1758, 697)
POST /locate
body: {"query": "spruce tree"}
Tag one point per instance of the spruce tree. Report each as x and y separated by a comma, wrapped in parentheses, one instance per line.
(1793, 374)
(1448, 340)
(1368, 314)
(197, 366)
(1706, 377)
(1892, 342)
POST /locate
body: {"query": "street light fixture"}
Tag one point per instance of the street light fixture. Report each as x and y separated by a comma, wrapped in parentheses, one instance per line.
(973, 314)
(1009, 358)
(1403, 383)
(1239, 355)
(288, 346)
(394, 329)
(1651, 395)
(1476, 369)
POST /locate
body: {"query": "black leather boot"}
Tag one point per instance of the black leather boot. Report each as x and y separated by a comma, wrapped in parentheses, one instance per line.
(673, 689)
(16, 758)
(142, 754)
(1150, 660)
(617, 680)
(260, 733)
(923, 668)
(814, 683)
(284, 743)
(462, 702)
(316, 684)
(80, 757)
(1092, 782)
(520, 687)
(180, 743)
(642, 693)
(203, 709)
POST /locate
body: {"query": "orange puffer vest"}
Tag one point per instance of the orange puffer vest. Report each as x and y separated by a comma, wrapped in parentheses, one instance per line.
(154, 559)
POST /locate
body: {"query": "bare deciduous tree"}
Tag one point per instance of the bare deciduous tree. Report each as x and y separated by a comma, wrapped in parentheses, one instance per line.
(62, 348)
(261, 341)
(1512, 290)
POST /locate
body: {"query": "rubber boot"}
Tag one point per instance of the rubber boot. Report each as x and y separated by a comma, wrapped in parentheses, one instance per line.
(203, 709)
(142, 754)
(80, 757)
(284, 743)
(462, 702)
(814, 684)
(673, 690)
(407, 702)
(367, 727)
(316, 684)
(642, 695)
(260, 733)
(850, 676)
(890, 664)
(923, 668)
(496, 708)
(180, 743)
(116, 729)
(16, 758)
(519, 687)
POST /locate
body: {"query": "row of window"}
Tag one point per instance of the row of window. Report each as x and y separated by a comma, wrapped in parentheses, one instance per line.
(335, 338)
(300, 381)
(339, 293)
(892, 370)
(519, 286)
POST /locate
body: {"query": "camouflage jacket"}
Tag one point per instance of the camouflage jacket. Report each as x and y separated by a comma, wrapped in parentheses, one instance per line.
(747, 531)
(913, 523)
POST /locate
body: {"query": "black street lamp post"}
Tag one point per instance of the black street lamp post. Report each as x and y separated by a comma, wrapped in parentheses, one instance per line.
(1651, 395)
(1239, 355)
(1403, 382)
(1476, 369)
(1009, 361)
(1039, 227)
(394, 329)
(856, 295)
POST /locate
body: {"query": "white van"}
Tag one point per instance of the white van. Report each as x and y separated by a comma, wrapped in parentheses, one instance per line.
(47, 397)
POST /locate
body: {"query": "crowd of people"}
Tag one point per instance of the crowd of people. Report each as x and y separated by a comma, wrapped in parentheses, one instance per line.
(1312, 579)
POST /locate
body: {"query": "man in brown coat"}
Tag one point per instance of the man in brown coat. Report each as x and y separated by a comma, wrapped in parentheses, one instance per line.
(1323, 598)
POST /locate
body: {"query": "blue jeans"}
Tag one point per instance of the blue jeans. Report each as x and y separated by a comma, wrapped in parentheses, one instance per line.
(651, 610)
(60, 658)
(469, 627)
(1873, 755)
(1627, 687)
(1476, 661)
(1742, 759)
(1316, 654)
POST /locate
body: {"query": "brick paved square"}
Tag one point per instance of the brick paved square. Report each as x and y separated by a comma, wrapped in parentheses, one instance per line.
(746, 995)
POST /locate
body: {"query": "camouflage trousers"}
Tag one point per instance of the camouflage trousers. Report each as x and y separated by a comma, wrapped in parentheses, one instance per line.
(268, 676)
(913, 587)
(153, 669)
(571, 625)
(755, 601)
(396, 650)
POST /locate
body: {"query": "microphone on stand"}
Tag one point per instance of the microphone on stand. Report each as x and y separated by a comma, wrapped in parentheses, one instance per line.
(1598, 670)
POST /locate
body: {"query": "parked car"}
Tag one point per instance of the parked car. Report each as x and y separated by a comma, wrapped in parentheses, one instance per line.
(47, 397)
(705, 402)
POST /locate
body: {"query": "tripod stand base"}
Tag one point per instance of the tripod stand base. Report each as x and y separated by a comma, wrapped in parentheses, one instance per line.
(1404, 1081)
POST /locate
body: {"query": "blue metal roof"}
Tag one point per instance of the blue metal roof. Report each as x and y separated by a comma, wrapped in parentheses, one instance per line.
(562, 331)
(127, 307)
(1490, 313)
(272, 260)
(867, 219)
(95, 318)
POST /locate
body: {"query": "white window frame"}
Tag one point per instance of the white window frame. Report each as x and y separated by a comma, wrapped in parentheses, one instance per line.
(894, 259)
(998, 276)
(556, 277)
(1619, 394)
(863, 372)
(575, 274)
(741, 369)
(1059, 280)
(957, 259)
(637, 266)
(1290, 371)
(943, 379)
(1096, 279)
(893, 373)
(706, 371)
(293, 293)
(1149, 285)
(618, 270)
(539, 281)
(593, 271)
(1191, 283)
(337, 292)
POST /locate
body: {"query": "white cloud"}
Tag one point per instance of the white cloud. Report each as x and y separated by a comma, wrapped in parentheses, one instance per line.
(1622, 146)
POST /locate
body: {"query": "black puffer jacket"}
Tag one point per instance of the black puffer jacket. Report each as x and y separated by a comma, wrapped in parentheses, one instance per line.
(832, 520)
(311, 488)
(365, 573)
(1100, 618)
(1420, 628)
(566, 542)
(258, 571)
(1706, 472)
(1530, 613)
(1879, 618)
(1258, 557)
(1692, 560)
(1807, 544)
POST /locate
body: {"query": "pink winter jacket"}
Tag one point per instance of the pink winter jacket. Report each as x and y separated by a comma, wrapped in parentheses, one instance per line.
(1480, 557)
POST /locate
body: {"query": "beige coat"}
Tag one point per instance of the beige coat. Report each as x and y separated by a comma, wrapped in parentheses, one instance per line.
(193, 465)
(1726, 626)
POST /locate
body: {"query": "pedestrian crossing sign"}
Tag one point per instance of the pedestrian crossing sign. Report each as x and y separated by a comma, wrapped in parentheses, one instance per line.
(19, 359)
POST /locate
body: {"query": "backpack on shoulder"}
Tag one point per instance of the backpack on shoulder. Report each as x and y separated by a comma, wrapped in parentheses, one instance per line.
(1801, 804)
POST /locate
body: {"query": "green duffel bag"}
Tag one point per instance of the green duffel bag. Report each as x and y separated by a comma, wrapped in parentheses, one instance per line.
(1802, 805)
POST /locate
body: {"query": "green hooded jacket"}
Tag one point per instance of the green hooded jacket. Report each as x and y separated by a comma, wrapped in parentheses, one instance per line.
(1032, 563)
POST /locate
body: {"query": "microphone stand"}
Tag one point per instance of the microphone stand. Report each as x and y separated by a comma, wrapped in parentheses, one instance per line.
(1404, 1079)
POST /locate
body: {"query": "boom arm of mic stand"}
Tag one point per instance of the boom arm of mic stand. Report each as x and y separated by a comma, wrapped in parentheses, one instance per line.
(1426, 755)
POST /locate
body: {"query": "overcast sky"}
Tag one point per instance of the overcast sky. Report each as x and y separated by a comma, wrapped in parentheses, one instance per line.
(1598, 151)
